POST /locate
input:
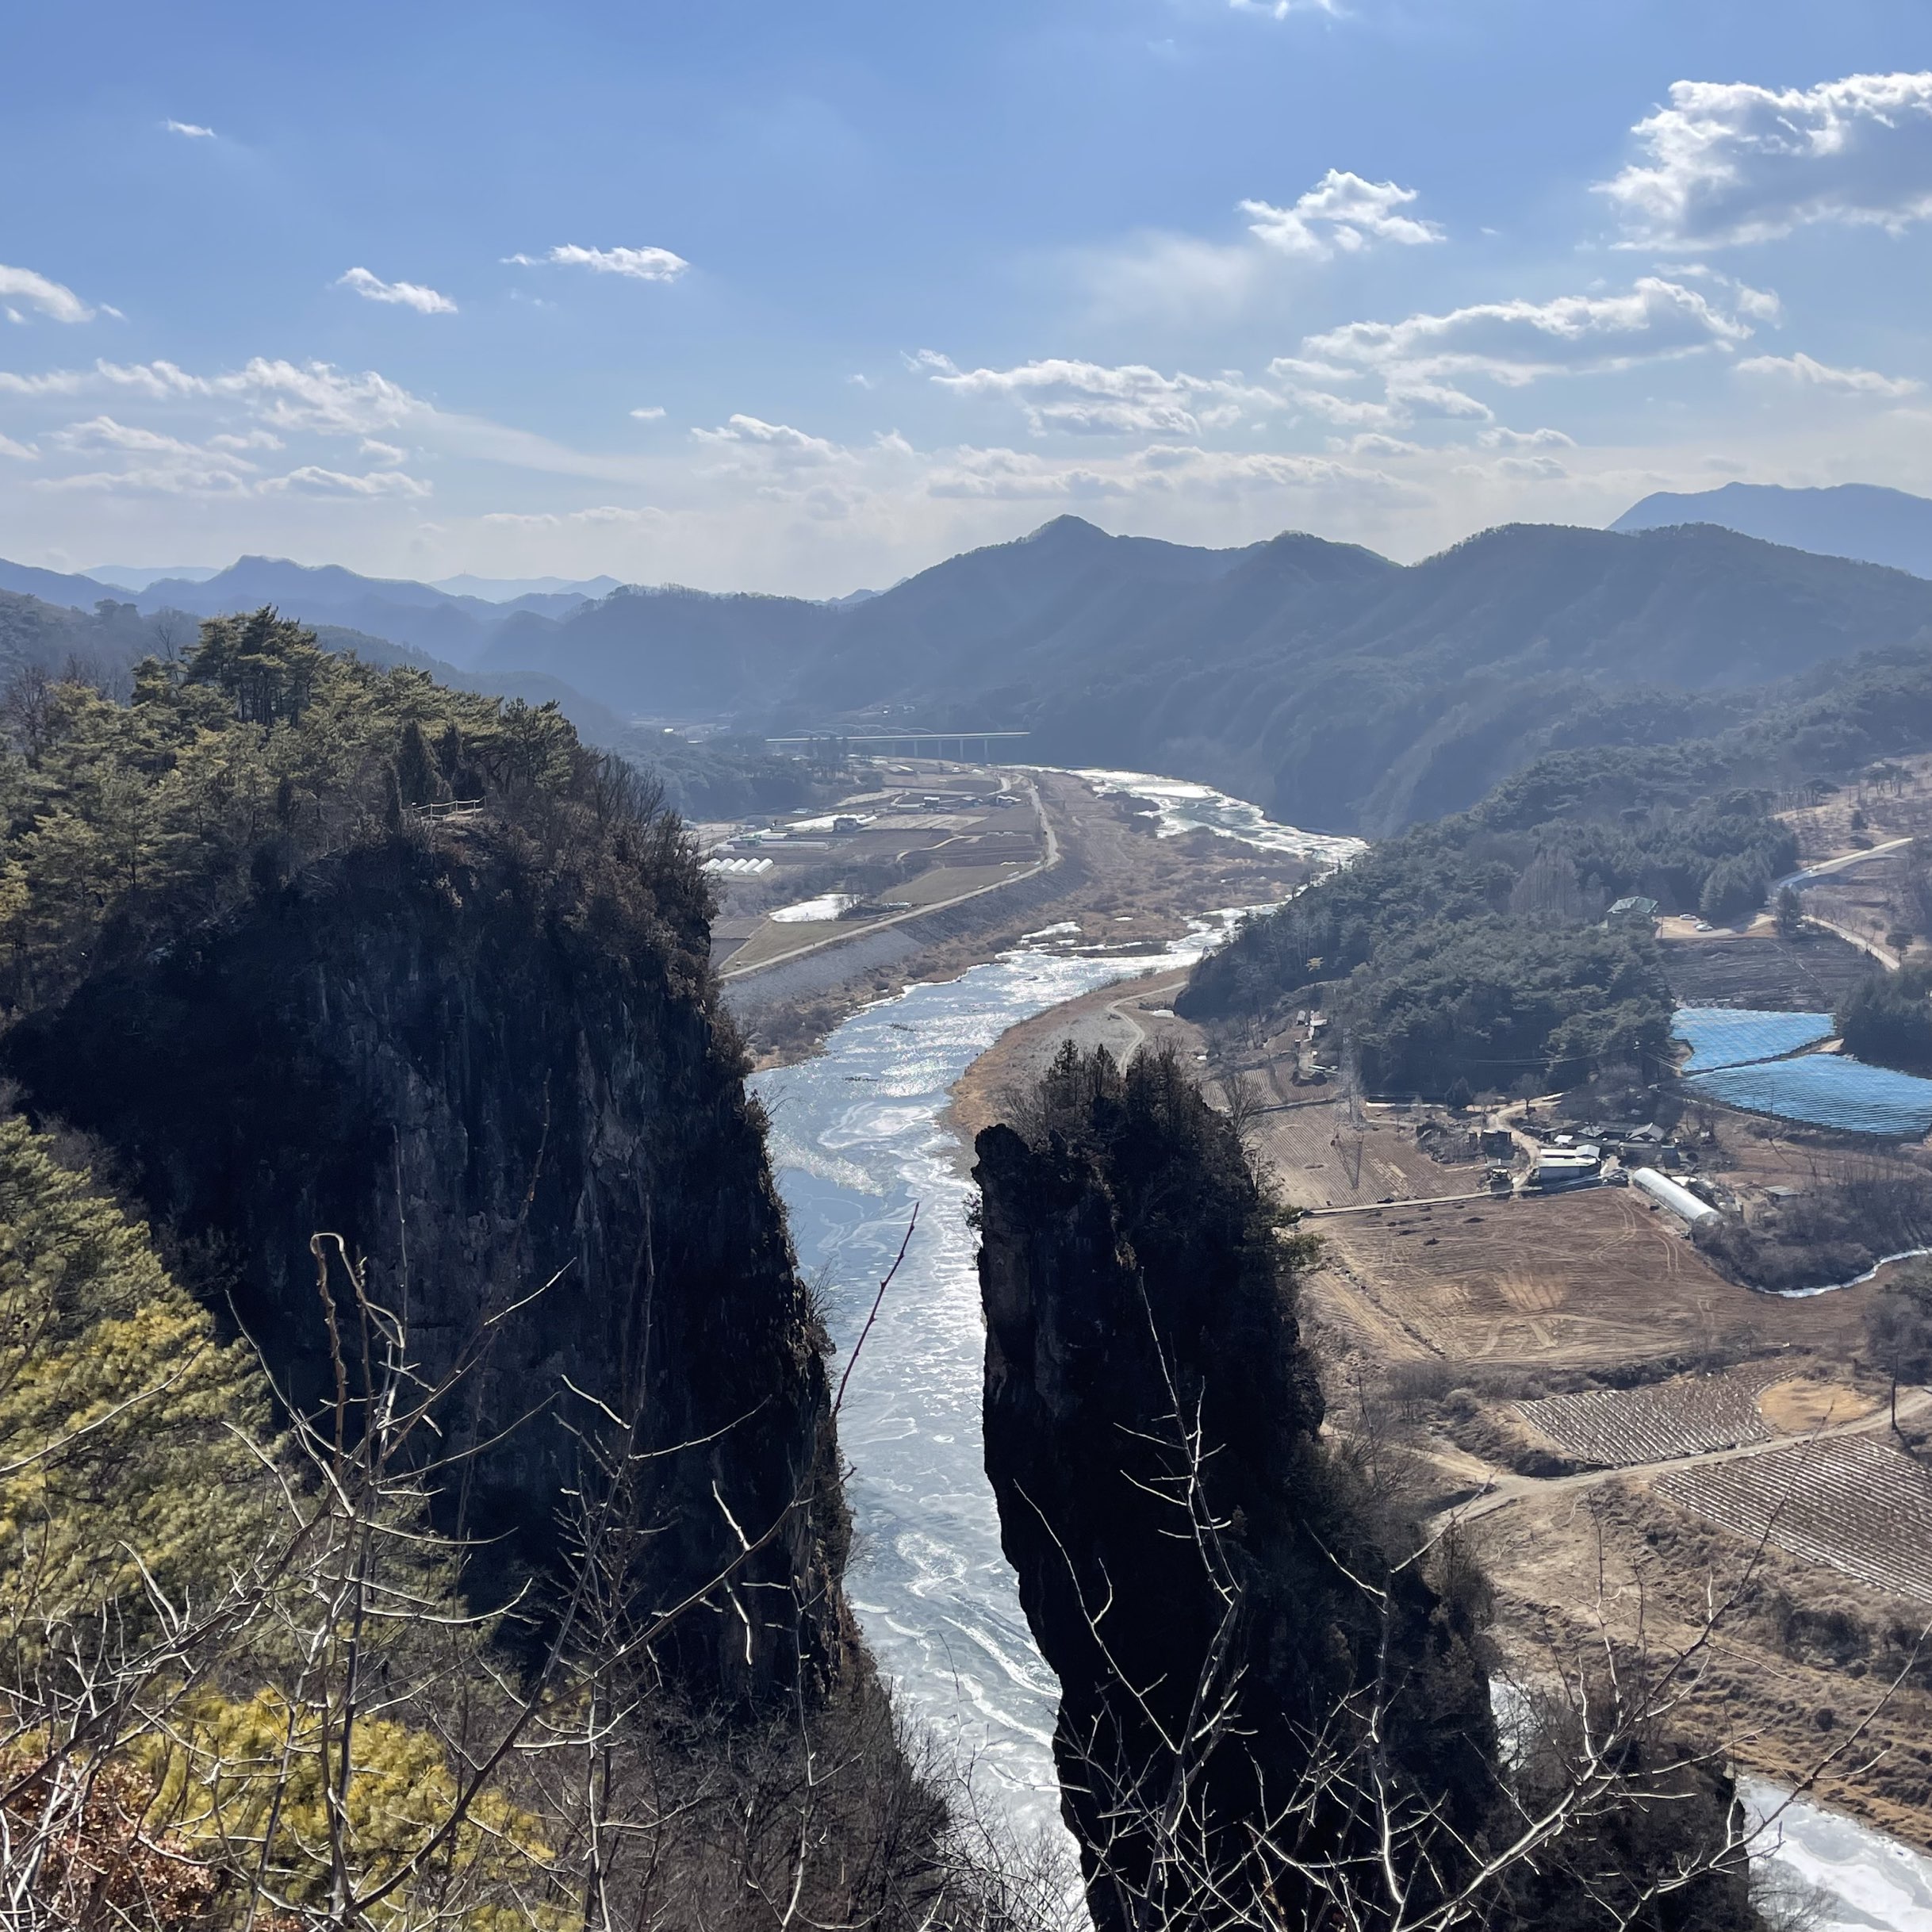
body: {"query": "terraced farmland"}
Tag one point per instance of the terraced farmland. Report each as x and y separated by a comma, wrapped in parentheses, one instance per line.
(1850, 1503)
(1615, 1428)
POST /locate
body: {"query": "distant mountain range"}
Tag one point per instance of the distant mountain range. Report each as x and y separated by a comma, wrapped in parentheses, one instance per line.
(1859, 520)
(1336, 688)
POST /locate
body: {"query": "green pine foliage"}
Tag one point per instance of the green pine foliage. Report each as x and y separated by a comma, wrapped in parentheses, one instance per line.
(125, 1423)
(1886, 1018)
(123, 825)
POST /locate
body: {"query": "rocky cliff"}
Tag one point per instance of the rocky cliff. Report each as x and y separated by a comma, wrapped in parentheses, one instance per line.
(1189, 1561)
(1274, 1693)
(259, 950)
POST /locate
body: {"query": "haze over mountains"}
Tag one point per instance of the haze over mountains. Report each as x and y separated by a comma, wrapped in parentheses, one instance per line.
(1336, 688)
(1860, 520)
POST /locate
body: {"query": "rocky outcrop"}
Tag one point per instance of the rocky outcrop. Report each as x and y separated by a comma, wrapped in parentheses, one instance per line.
(1193, 1569)
(488, 1067)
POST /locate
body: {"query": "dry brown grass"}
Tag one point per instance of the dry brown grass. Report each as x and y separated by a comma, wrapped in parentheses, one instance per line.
(1807, 1402)
(1590, 1280)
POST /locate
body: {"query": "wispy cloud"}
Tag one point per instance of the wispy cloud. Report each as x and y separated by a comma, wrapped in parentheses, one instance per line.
(637, 264)
(191, 129)
(404, 294)
(1808, 373)
(1061, 393)
(1515, 342)
(779, 440)
(54, 300)
(314, 481)
(1502, 439)
(650, 413)
(603, 513)
(1728, 162)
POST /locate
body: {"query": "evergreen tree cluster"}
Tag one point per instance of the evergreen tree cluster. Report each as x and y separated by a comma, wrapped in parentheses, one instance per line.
(1473, 950)
(255, 754)
(1887, 1018)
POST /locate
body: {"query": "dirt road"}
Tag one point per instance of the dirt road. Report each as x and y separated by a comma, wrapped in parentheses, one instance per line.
(1512, 1489)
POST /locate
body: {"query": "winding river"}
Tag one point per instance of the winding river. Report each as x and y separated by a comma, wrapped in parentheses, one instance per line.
(857, 1141)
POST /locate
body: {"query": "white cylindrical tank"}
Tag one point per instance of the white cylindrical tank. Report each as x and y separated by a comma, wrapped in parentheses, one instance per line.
(1666, 1193)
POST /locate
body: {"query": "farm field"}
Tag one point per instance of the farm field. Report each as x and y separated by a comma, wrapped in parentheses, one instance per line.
(1810, 1646)
(1852, 1503)
(1615, 1428)
(1590, 1280)
(1759, 969)
(1322, 1161)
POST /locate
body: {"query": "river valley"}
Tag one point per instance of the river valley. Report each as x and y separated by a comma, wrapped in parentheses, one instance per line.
(859, 1141)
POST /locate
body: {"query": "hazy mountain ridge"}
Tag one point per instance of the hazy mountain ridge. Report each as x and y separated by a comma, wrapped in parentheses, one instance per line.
(1333, 687)
(1862, 521)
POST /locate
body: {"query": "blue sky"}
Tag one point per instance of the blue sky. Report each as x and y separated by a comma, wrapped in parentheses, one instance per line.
(791, 298)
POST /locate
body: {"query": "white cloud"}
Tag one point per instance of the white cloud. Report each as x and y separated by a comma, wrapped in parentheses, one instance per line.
(155, 379)
(1093, 398)
(1226, 472)
(639, 264)
(311, 480)
(1344, 410)
(317, 397)
(779, 439)
(1342, 213)
(1415, 401)
(1801, 369)
(298, 396)
(169, 478)
(404, 294)
(1729, 162)
(1500, 439)
(253, 439)
(652, 414)
(53, 299)
(1516, 342)
(190, 129)
(104, 433)
(605, 514)
(1373, 443)
(1530, 468)
(1296, 368)
(1162, 470)
(1015, 475)
(21, 451)
(1515, 470)
(1280, 9)
(370, 446)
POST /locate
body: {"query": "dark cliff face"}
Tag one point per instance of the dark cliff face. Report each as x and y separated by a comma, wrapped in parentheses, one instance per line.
(484, 1067)
(1180, 1539)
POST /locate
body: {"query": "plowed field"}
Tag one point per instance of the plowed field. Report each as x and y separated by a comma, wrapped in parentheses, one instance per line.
(1615, 1427)
(1851, 1502)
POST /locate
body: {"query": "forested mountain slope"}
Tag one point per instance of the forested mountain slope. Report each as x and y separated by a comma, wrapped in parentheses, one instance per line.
(1336, 688)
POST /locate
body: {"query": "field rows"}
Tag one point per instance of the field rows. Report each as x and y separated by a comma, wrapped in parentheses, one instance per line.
(1618, 1427)
(1850, 1503)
